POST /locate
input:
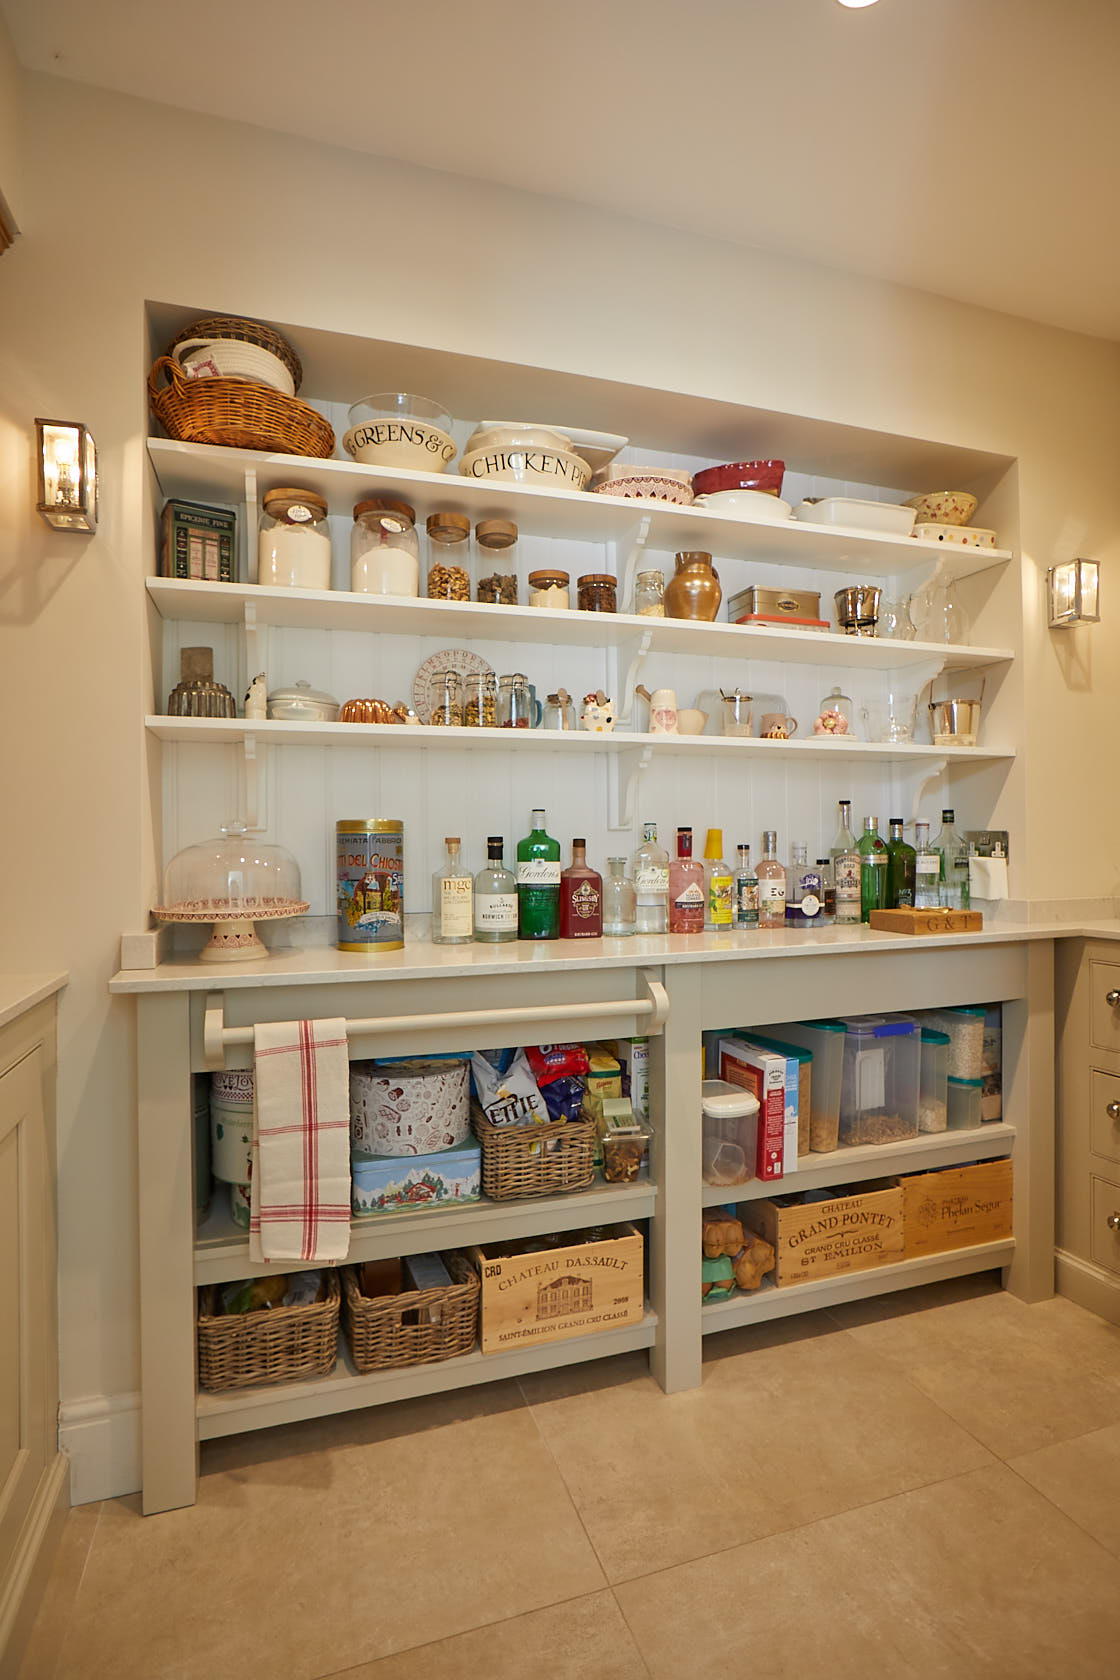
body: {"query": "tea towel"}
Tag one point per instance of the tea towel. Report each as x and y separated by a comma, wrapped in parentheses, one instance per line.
(300, 1181)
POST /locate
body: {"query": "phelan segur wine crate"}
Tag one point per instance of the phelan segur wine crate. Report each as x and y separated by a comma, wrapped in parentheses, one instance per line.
(554, 1293)
(849, 1233)
(957, 1207)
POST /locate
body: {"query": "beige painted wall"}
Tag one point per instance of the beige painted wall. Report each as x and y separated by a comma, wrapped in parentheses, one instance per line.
(234, 218)
(11, 128)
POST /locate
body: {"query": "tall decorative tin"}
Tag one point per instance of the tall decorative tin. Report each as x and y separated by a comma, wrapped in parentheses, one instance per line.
(370, 885)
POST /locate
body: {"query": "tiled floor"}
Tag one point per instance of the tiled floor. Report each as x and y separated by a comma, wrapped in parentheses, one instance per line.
(925, 1486)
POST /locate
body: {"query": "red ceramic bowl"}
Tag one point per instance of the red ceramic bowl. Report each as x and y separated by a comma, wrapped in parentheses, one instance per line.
(740, 475)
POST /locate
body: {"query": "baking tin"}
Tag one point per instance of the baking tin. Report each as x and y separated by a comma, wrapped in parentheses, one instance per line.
(370, 884)
(409, 1107)
(777, 603)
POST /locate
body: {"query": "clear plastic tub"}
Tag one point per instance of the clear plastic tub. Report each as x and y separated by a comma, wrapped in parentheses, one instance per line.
(964, 1103)
(626, 1152)
(825, 1039)
(730, 1133)
(804, 1058)
(879, 1085)
(965, 1027)
(932, 1112)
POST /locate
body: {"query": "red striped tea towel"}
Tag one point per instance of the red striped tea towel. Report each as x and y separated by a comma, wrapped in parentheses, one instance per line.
(300, 1185)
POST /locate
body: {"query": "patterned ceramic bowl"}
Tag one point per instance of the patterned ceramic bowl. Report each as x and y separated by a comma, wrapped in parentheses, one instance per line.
(944, 507)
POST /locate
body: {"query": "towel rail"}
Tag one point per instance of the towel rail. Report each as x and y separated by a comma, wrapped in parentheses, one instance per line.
(655, 1005)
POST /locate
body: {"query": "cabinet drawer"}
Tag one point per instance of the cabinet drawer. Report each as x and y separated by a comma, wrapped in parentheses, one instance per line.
(1104, 1127)
(1104, 1017)
(1104, 1244)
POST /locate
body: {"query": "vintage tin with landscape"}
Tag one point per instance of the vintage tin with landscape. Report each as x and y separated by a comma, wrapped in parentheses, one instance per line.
(370, 885)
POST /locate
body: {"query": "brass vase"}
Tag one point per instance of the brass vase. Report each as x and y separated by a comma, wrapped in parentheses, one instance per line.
(694, 590)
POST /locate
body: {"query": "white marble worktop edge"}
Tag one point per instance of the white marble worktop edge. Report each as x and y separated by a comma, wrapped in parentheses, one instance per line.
(21, 992)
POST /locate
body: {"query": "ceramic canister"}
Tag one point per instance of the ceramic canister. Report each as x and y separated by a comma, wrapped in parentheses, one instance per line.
(409, 1108)
(231, 1126)
(239, 1205)
(370, 885)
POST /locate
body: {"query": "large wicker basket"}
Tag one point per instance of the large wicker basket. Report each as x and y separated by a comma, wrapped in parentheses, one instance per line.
(415, 1327)
(235, 413)
(534, 1160)
(276, 1344)
(249, 332)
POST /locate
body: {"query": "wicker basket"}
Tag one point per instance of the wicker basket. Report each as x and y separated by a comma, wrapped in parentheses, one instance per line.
(250, 332)
(276, 1344)
(235, 413)
(534, 1160)
(388, 1330)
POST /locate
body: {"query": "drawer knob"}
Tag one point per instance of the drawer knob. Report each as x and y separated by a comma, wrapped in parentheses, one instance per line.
(1113, 1221)
(1112, 999)
(1112, 1109)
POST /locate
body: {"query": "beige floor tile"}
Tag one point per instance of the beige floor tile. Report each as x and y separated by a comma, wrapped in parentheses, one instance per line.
(1018, 1376)
(976, 1578)
(1081, 1477)
(585, 1639)
(304, 1566)
(785, 1429)
(44, 1647)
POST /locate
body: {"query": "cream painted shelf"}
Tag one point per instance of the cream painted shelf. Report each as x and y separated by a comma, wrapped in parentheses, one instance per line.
(203, 470)
(178, 599)
(770, 1303)
(344, 1390)
(222, 1250)
(845, 1166)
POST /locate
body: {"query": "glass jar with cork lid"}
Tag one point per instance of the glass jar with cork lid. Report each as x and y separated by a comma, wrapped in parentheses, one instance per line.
(384, 548)
(293, 540)
(549, 588)
(495, 553)
(449, 554)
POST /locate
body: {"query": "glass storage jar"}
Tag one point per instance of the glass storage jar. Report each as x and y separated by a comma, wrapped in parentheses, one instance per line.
(480, 702)
(294, 540)
(620, 899)
(515, 702)
(384, 548)
(549, 588)
(649, 595)
(597, 592)
(495, 552)
(445, 704)
(449, 549)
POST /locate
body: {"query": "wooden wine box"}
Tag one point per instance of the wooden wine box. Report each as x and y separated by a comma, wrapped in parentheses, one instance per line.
(927, 921)
(553, 1293)
(850, 1233)
(957, 1207)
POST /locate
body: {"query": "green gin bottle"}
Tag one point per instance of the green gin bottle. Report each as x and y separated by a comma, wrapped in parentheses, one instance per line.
(872, 849)
(901, 868)
(538, 883)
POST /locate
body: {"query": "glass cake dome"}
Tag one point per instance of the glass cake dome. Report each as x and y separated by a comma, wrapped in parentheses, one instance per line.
(233, 880)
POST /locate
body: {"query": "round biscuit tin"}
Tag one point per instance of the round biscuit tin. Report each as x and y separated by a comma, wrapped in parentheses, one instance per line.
(231, 1125)
(370, 885)
(409, 1108)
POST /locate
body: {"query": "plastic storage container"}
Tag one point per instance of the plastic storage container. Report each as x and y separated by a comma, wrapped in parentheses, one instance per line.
(626, 1152)
(826, 1041)
(932, 1096)
(730, 1132)
(879, 1085)
(964, 1103)
(965, 1027)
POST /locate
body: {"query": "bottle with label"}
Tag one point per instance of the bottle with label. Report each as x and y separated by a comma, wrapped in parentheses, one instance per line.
(619, 906)
(538, 883)
(581, 897)
(901, 868)
(452, 899)
(804, 899)
(687, 888)
(771, 883)
(927, 871)
(828, 893)
(873, 869)
(953, 864)
(845, 840)
(720, 882)
(846, 866)
(495, 897)
(745, 913)
(650, 873)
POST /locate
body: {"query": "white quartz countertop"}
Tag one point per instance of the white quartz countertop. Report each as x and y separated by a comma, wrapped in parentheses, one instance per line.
(21, 992)
(421, 960)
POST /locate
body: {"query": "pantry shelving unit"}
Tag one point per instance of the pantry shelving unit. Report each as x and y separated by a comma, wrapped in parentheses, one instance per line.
(706, 985)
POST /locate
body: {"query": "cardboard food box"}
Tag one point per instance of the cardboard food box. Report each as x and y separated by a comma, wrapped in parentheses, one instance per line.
(957, 1207)
(406, 1183)
(198, 542)
(849, 1233)
(763, 1074)
(553, 1293)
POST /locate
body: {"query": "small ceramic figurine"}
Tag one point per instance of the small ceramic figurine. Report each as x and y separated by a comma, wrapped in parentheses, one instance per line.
(256, 699)
(597, 715)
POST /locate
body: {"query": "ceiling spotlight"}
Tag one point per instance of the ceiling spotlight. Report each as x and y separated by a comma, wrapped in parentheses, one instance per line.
(854, 3)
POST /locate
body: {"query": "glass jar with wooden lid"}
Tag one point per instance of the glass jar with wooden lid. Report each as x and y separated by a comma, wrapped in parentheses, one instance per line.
(293, 540)
(495, 554)
(449, 557)
(549, 588)
(384, 548)
(597, 593)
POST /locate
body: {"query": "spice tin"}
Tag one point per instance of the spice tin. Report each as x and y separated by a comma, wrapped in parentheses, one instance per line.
(370, 885)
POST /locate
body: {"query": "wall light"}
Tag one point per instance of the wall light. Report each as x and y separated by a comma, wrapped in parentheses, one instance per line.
(1074, 593)
(67, 473)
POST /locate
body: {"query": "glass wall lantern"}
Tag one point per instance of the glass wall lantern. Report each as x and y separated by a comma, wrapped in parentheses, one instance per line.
(67, 475)
(1073, 590)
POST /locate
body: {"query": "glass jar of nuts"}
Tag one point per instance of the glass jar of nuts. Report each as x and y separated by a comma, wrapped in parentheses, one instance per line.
(649, 594)
(449, 548)
(480, 700)
(495, 552)
(445, 703)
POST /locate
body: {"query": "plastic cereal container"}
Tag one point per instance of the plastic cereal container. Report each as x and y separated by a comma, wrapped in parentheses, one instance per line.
(964, 1103)
(879, 1085)
(730, 1132)
(932, 1095)
(825, 1039)
(965, 1027)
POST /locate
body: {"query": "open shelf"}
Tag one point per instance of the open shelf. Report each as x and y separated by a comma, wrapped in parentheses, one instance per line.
(197, 470)
(221, 1248)
(769, 1302)
(238, 1410)
(923, 1153)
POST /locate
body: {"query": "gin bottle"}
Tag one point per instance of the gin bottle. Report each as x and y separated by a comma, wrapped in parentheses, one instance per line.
(953, 861)
(452, 899)
(650, 871)
(873, 869)
(901, 868)
(581, 897)
(927, 871)
(495, 897)
(771, 883)
(804, 894)
(746, 891)
(687, 894)
(538, 883)
(845, 840)
(719, 882)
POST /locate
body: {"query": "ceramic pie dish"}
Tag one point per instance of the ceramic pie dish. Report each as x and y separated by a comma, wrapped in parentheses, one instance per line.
(965, 536)
(741, 475)
(885, 519)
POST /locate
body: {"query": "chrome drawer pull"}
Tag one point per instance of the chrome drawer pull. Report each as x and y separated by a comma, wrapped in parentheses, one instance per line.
(1112, 1109)
(1113, 1221)
(1112, 999)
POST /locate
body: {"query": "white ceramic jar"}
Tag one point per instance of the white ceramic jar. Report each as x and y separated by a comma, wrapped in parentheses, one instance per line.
(293, 541)
(384, 548)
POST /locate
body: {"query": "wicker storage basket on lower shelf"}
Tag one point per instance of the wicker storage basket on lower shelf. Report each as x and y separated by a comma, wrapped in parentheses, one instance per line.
(534, 1160)
(415, 1327)
(235, 413)
(276, 1344)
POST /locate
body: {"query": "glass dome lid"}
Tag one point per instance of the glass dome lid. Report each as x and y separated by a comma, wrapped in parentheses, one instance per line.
(232, 880)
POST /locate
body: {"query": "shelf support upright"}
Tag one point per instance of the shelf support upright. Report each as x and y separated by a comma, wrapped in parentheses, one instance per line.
(622, 784)
(635, 546)
(250, 798)
(252, 514)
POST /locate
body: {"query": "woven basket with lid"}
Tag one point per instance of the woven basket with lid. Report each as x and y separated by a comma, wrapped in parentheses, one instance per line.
(250, 332)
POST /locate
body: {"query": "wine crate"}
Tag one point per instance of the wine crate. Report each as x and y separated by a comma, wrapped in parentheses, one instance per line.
(956, 1207)
(849, 1233)
(553, 1293)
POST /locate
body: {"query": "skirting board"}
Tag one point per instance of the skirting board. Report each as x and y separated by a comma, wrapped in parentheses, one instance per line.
(22, 1586)
(101, 1436)
(1096, 1290)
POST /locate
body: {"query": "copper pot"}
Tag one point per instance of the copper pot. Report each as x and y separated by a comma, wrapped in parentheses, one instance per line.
(694, 589)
